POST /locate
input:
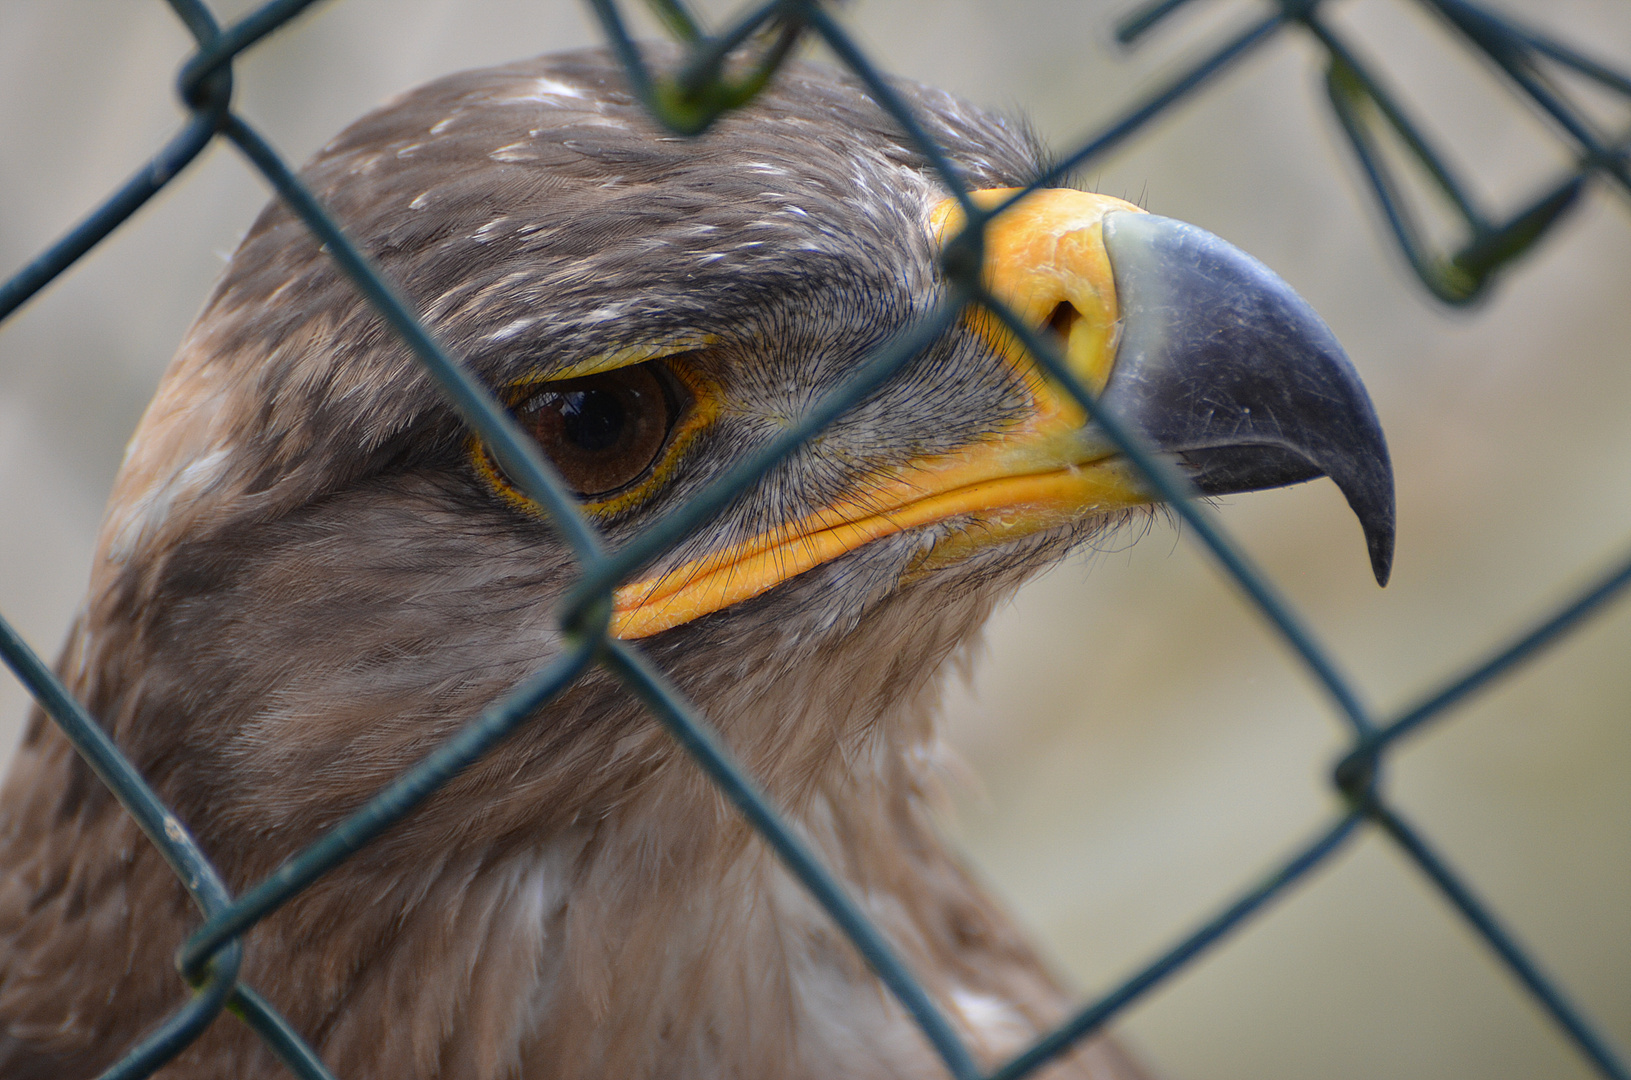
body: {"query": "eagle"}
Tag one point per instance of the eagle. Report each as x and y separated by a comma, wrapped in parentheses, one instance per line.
(311, 573)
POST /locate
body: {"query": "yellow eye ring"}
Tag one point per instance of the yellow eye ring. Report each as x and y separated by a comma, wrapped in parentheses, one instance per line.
(615, 436)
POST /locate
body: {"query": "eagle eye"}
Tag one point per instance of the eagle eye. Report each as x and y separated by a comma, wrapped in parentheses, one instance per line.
(602, 432)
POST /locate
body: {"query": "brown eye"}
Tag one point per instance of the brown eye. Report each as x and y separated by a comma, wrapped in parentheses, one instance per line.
(603, 432)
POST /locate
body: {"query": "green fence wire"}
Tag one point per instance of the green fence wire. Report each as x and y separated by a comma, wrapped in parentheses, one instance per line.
(1385, 139)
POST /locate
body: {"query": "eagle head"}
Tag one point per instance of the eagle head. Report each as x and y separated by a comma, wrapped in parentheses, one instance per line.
(312, 573)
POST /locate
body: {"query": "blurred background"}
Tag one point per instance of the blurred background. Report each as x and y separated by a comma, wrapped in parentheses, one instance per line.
(1141, 747)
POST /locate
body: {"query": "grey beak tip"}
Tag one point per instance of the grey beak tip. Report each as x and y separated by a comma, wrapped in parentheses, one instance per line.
(1224, 365)
(1381, 561)
(1379, 539)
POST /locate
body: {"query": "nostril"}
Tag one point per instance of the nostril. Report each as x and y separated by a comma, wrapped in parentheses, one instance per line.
(1063, 320)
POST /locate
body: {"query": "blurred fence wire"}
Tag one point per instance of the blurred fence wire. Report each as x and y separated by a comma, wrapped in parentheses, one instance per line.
(1406, 173)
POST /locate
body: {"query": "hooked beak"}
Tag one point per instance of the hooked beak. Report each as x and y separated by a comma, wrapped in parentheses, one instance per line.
(1197, 346)
(1223, 365)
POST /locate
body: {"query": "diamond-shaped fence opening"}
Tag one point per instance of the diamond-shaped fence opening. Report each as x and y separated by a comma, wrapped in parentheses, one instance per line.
(1456, 219)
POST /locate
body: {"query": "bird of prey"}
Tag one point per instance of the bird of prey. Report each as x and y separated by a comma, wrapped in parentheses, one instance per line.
(311, 573)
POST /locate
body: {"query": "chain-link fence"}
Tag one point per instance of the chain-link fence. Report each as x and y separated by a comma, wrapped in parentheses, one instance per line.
(1394, 156)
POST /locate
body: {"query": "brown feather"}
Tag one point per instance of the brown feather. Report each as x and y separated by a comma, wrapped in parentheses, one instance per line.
(301, 588)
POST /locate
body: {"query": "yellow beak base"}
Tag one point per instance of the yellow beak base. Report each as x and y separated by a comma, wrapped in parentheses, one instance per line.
(1045, 258)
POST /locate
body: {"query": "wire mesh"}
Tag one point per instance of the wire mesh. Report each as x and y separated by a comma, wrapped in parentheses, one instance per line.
(1384, 137)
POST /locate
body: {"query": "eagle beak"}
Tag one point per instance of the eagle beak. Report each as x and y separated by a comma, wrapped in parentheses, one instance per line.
(1191, 342)
(1223, 365)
